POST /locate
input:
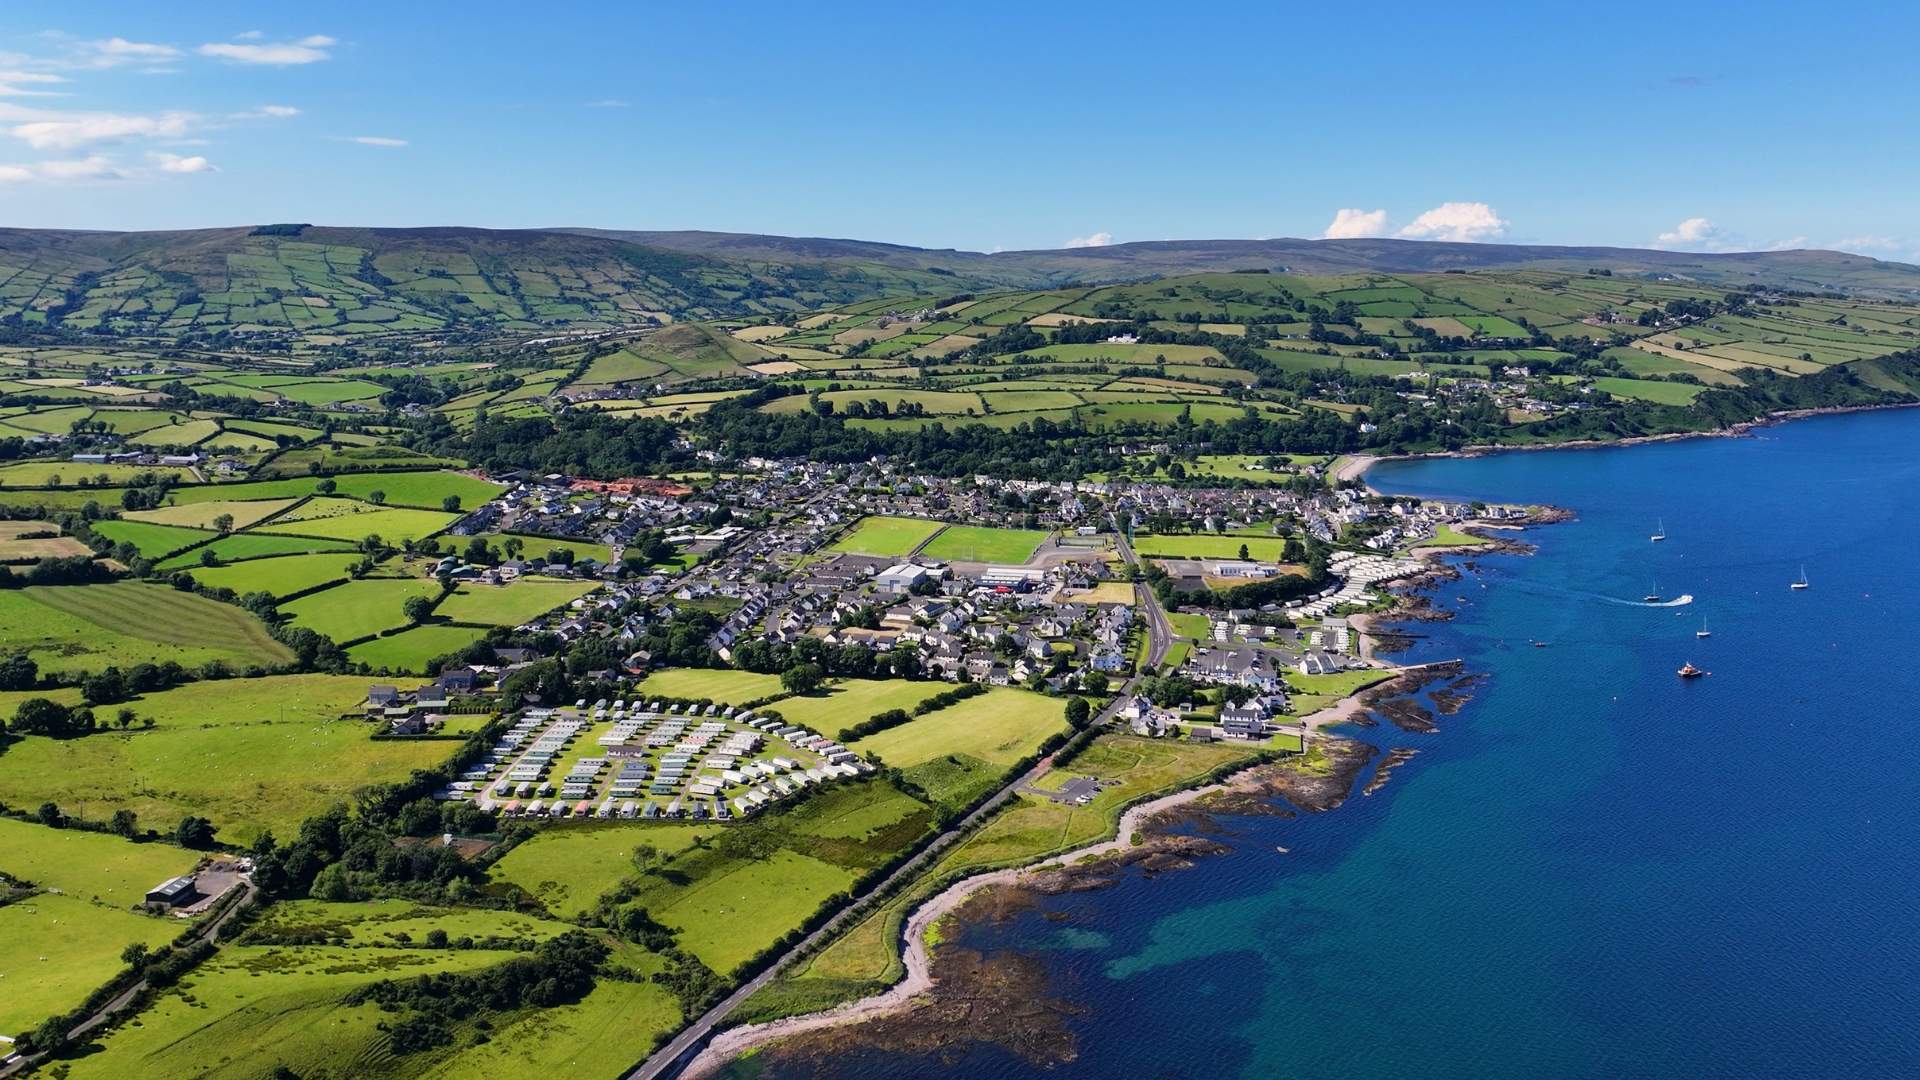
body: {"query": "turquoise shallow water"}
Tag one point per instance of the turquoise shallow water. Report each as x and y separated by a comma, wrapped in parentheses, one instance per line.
(1594, 869)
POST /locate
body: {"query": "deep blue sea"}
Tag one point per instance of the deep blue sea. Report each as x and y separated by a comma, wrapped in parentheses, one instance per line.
(1593, 869)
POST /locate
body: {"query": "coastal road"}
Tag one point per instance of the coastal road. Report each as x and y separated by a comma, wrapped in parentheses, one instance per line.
(208, 932)
(1159, 630)
(674, 1056)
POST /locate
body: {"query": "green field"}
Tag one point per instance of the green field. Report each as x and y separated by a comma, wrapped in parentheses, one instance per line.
(410, 649)
(86, 627)
(1000, 727)
(358, 608)
(1260, 548)
(253, 545)
(281, 576)
(841, 705)
(510, 605)
(569, 869)
(153, 541)
(886, 536)
(347, 519)
(201, 515)
(717, 684)
(249, 754)
(981, 544)
(1448, 536)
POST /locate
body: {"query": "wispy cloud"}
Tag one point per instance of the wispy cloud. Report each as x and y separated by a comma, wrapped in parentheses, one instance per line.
(1352, 223)
(113, 51)
(21, 83)
(93, 167)
(307, 50)
(377, 140)
(607, 103)
(1099, 239)
(45, 130)
(266, 112)
(1457, 222)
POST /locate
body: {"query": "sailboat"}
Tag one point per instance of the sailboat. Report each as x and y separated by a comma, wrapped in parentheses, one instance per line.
(1660, 533)
(1703, 631)
(1654, 596)
(1802, 583)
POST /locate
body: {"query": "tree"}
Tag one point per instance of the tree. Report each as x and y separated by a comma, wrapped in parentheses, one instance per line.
(451, 504)
(49, 814)
(802, 678)
(125, 718)
(1094, 682)
(478, 551)
(1078, 712)
(223, 524)
(325, 487)
(1243, 553)
(135, 955)
(417, 608)
(194, 832)
(376, 496)
(18, 672)
(125, 823)
(512, 545)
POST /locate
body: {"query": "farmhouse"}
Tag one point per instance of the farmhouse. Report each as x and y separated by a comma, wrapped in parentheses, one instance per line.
(173, 893)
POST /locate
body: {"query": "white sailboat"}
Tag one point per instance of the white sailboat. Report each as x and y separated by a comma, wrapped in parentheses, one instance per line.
(1703, 631)
(1802, 583)
(1660, 533)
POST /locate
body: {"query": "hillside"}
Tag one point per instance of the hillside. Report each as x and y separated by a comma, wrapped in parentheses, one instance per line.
(336, 283)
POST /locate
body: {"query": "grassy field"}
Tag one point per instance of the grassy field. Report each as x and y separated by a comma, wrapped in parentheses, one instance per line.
(569, 869)
(252, 545)
(249, 754)
(345, 519)
(86, 627)
(510, 605)
(1000, 727)
(604, 1035)
(981, 544)
(1448, 536)
(843, 704)
(719, 684)
(1198, 627)
(410, 649)
(154, 541)
(201, 515)
(280, 576)
(1260, 548)
(358, 608)
(886, 536)
(867, 956)
(55, 950)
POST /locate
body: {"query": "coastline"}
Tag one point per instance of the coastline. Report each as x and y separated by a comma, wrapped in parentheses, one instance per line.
(1356, 467)
(1249, 783)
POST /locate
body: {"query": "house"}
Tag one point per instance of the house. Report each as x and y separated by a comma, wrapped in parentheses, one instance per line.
(174, 892)
(382, 697)
(459, 680)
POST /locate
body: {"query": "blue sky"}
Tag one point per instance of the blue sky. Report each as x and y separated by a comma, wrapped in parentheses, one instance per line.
(983, 126)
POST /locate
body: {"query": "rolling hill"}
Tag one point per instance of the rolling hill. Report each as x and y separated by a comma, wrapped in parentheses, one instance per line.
(346, 284)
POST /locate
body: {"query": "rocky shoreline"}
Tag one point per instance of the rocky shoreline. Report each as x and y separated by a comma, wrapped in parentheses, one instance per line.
(953, 997)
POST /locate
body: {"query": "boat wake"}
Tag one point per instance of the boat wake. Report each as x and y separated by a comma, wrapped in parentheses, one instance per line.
(1679, 601)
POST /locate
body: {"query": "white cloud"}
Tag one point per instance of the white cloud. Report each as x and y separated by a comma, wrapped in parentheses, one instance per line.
(607, 103)
(15, 174)
(307, 50)
(69, 130)
(250, 35)
(1349, 223)
(174, 163)
(118, 50)
(1695, 233)
(1458, 222)
(95, 167)
(1099, 239)
(266, 112)
(15, 83)
(377, 140)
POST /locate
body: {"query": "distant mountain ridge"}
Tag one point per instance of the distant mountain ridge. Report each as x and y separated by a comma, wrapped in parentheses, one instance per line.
(354, 282)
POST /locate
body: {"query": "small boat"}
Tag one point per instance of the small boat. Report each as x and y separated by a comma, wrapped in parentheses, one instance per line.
(1688, 671)
(1802, 583)
(1660, 533)
(1654, 596)
(1703, 632)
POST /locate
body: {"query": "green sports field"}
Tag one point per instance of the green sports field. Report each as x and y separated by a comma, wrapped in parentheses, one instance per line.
(886, 536)
(86, 627)
(982, 544)
(1261, 548)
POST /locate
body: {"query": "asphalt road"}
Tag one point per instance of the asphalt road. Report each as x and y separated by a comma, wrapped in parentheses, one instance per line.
(671, 1058)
